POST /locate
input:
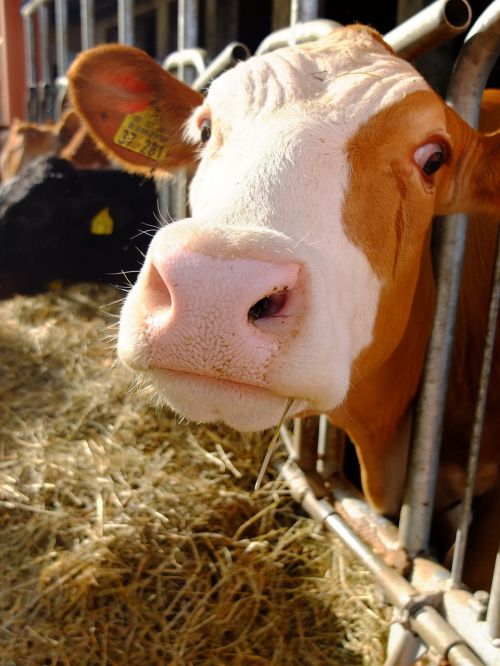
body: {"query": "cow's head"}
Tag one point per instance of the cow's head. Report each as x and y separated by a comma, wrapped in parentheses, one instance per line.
(28, 141)
(320, 168)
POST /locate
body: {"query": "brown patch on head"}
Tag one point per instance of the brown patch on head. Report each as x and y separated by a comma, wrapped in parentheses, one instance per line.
(399, 221)
(389, 206)
(489, 120)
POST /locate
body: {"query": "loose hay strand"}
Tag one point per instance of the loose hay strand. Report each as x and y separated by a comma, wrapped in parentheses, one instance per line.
(271, 447)
(123, 542)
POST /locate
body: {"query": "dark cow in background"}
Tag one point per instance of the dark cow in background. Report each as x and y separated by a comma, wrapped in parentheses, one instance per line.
(62, 223)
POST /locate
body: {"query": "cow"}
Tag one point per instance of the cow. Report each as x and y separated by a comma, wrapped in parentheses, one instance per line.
(27, 141)
(60, 224)
(304, 270)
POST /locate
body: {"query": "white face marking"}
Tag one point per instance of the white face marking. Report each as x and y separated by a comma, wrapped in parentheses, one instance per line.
(277, 161)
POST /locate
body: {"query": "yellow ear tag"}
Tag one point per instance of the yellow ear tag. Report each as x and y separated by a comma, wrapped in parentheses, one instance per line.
(144, 134)
(102, 223)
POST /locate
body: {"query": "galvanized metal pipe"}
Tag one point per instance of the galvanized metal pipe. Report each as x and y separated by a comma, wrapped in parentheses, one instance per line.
(418, 502)
(87, 24)
(43, 17)
(477, 429)
(298, 34)
(61, 94)
(126, 22)
(29, 7)
(402, 646)
(469, 77)
(28, 13)
(458, 607)
(294, 12)
(29, 38)
(61, 11)
(30, 64)
(474, 64)
(161, 29)
(302, 11)
(309, 10)
(431, 27)
(187, 32)
(180, 60)
(229, 57)
(423, 618)
(375, 529)
(493, 614)
(331, 448)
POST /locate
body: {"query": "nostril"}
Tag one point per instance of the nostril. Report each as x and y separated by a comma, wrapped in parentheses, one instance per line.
(157, 293)
(268, 306)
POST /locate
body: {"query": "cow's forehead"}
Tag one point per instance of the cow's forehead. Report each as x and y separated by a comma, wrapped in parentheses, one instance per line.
(350, 75)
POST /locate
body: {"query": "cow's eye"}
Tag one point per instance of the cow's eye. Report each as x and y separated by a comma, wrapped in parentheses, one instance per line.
(430, 157)
(205, 130)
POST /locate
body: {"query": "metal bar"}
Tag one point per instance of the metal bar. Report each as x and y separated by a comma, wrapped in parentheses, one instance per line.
(418, 503)
(229, 57)
(349, 503)
(300, 12)
(423, 618)
(187, 38)
(44, 110)
(305, 438)
(187, 32)
(61, 11)
(161, 29)
(402, 646)
(474, 64)
(126, 22)
(431, 27)
(331, 448)
(181, 60)
(29, 7)
(294, 12)
(471, 71)
(298, 34)
(493, 614)
(375, 530)
(477, 429)
(309, 10)
(43, 16)
(87, 23)
(29, 37)
(458, 607)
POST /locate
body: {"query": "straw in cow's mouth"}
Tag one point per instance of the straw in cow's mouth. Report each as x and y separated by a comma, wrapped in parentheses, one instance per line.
(271, 447)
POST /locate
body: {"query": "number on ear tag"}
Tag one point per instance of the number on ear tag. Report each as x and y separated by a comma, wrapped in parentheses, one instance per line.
(143, 133)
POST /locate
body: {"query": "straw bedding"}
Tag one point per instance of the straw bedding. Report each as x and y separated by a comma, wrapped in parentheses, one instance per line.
(128, 537)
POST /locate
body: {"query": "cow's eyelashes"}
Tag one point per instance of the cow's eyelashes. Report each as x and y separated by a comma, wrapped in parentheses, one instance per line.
(205, 129)
(430, 157)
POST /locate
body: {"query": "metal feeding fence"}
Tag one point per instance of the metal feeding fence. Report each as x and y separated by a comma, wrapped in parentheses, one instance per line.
(432, 608)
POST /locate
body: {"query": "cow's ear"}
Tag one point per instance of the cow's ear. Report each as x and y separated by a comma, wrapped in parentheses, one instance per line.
(133, 108)
(471, 181)
(484, 188)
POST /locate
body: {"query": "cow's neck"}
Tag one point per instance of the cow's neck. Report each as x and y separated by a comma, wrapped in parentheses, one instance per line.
(377, 414)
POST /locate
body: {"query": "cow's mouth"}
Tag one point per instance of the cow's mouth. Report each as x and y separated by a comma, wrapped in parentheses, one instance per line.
(201, 398)
(222, 382)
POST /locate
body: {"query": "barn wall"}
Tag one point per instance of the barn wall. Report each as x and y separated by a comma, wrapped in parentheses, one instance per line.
(12, 83)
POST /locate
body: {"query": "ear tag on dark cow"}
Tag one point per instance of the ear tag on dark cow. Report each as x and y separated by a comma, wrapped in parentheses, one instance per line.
(143, 133)
(102, 223)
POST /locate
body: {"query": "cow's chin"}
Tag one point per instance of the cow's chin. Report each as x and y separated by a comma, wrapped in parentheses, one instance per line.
(209, 400)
